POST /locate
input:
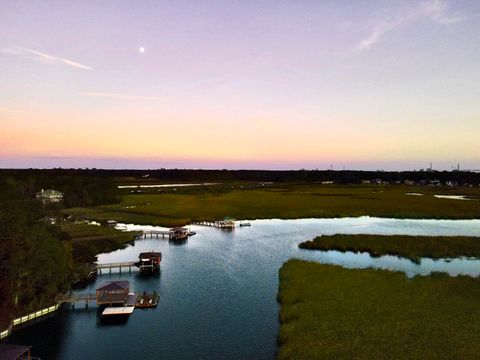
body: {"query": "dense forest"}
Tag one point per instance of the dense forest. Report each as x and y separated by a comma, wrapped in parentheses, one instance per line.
(36, 259)
(80, 187)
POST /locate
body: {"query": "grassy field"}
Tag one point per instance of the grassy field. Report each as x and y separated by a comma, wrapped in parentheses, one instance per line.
(328, 312)
(90, 240)
(287, 201)
(412, 247)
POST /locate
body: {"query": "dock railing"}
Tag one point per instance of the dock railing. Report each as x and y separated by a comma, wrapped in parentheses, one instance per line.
(28, 317)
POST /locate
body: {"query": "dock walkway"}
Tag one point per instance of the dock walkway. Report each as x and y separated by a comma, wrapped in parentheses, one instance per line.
(118, 265)
(217, 224)
(178, 233)
(75, 297)
(155, 234)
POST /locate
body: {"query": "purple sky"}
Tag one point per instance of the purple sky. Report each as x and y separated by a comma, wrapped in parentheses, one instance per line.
(240, 84)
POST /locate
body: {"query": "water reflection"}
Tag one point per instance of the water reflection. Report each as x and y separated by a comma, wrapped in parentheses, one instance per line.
(178, 242)
(453, 267)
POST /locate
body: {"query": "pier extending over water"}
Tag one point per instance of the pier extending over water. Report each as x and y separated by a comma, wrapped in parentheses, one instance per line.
(119, 265)
(221, 224)
(178, 233)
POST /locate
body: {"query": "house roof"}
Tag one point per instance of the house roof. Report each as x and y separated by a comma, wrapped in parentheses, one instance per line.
(106, 298)
(150, 255)
(179, 229)
(114, 285)
(12, 352)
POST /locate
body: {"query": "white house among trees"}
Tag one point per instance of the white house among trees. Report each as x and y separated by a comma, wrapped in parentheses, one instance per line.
(50, 196)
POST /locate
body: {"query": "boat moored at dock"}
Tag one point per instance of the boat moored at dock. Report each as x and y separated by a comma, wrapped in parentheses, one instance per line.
(146, 300)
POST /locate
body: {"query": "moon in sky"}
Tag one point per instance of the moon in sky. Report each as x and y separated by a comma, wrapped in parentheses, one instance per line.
(141, 49)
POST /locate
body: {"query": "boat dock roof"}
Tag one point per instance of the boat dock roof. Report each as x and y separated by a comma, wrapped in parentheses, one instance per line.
(114, 285)
(14, 352)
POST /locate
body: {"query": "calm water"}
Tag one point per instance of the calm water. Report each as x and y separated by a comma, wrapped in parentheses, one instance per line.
(218, 290)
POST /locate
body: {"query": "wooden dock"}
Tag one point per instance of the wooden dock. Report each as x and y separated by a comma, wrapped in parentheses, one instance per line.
(217, 224)
(146, 300)
(155, 234)
(76, 297)
(178, 233)
(119, 265)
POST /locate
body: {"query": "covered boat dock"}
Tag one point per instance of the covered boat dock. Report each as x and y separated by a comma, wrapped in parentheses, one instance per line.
(15, 352)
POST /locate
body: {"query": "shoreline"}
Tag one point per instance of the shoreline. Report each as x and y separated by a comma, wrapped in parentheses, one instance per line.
(175, 224)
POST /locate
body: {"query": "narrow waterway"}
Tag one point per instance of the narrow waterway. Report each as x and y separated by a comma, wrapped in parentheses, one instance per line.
(218, 290)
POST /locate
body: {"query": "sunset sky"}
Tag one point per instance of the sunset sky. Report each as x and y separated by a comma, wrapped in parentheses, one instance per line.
(240, 84)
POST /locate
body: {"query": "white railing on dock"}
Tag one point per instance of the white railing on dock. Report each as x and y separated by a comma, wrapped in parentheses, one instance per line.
(222, 224)
(155, 234)
(26, 318)
(128, 264)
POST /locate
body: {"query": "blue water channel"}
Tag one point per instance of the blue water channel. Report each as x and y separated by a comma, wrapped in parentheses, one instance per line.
(218, 290)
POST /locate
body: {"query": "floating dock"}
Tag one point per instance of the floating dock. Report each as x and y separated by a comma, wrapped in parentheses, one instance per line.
(147, 300)
(118, 310)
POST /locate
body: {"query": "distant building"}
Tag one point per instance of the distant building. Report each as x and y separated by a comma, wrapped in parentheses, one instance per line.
(50, 196)
(409, 182)
(365, 182)
(49, 220)
(451, 183)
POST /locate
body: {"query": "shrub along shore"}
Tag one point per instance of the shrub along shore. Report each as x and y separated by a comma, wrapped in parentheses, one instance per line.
(328, 312)
(412, 247)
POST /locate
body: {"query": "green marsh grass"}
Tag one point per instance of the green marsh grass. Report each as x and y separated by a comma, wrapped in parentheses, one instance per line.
(412, 247)
(286, 202)
(328, 312)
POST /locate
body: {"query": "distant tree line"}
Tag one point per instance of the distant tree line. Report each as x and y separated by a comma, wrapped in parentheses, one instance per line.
(83, 185)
